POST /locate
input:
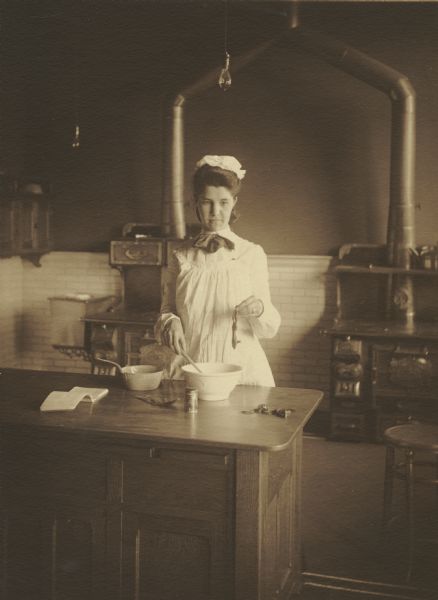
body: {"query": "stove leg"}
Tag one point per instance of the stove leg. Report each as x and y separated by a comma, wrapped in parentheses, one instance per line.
(388, 486)
(410, 509)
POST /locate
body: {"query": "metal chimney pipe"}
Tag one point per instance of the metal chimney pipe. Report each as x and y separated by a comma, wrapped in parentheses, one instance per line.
(401, 220)
(401, 216)
(177, 219)
(402, 209)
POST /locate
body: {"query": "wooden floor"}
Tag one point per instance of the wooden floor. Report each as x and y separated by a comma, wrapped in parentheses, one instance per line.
(342, 506)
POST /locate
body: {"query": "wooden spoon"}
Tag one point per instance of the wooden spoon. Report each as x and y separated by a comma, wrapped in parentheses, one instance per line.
(191, 361)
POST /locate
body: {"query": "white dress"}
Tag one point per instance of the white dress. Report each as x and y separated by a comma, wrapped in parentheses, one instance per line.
(203, 288)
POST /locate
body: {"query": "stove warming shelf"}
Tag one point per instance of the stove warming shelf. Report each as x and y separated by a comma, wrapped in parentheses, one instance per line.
(385, 329)
(124, 316)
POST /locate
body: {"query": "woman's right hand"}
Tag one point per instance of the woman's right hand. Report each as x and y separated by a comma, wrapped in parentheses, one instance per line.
(173, 336)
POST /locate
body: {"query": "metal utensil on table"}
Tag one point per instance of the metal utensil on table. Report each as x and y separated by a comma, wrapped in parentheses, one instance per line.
(163, 403)
(263, 409)
(191, 361)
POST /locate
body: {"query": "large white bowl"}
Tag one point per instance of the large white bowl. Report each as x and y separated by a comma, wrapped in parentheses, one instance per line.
(216, 382)
(142, 377)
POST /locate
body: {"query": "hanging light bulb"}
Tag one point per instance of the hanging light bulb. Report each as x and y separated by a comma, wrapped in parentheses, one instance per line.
(224, 80)
(76, 141)
(76, 138)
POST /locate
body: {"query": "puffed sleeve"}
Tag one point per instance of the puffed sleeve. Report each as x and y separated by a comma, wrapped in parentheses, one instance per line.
(168, 297)
(265, 326)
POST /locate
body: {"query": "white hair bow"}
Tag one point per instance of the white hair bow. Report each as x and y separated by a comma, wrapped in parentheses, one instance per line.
(229, 163)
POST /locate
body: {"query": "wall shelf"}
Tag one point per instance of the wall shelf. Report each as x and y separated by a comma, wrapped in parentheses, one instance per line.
(427, 330)
(377, 270)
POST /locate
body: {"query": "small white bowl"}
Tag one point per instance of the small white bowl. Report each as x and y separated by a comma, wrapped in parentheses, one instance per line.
(216, 382)
(142, 377)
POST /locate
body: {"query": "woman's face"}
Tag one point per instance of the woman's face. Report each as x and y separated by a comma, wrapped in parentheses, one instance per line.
(214, 207)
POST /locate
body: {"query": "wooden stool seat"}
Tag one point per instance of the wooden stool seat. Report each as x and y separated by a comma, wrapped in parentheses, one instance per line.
(417, 436)
(410, 438)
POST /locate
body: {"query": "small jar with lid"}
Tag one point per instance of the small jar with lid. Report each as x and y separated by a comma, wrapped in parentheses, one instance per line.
(428, 257)
(191, 400)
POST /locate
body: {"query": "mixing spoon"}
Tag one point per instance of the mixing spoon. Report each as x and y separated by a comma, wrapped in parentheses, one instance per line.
(111, 362)
(191, 361)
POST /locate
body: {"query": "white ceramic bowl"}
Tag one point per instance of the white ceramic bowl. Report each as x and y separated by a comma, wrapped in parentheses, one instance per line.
(216, 382)
(142, 377)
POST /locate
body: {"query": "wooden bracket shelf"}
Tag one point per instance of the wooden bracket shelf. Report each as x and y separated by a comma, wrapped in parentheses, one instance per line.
(377, 270)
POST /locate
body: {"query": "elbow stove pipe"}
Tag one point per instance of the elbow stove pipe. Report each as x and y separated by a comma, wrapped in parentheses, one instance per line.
(401, 214)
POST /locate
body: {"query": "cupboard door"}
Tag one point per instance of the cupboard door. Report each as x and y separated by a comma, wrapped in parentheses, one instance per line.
(173, 558)
(177, 525)
(22, 561)
(50, 555)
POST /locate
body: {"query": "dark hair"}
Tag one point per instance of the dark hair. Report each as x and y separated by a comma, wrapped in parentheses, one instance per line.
(207, 175)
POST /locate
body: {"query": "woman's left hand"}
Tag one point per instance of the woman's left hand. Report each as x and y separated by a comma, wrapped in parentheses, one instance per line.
(250, 307)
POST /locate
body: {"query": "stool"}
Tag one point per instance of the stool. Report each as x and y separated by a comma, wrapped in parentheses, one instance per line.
(412, 437)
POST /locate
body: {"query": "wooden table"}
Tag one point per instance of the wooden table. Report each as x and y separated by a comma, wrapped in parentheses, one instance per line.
(125, 500)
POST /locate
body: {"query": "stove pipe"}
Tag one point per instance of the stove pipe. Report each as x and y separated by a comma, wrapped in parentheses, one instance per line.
(401, 217)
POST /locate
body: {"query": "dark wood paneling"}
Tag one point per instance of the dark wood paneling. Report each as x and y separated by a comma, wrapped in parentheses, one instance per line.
(281, 552)
(172, 558)
(152, 484)
(74, 473)
(55, 555)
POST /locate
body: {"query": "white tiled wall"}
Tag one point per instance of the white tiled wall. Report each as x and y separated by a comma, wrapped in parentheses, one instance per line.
(303, 289)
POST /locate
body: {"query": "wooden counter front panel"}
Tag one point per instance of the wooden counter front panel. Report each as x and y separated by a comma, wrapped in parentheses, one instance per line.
(126, 501)
(173, 557)
(176, 529)
(59, 470)
(53, 518)
(268, 509)
(52, 554)
(173, 482)
(85, 521)
(281, 554)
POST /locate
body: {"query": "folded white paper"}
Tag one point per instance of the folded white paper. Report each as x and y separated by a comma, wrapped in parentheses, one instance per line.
(70, 400)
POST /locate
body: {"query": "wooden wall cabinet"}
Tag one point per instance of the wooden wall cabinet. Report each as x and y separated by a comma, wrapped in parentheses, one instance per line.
(32, 226)
(25, 226)
(7, 229)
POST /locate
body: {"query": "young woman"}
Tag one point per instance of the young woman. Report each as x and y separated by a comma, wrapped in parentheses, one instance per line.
(216, 277)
